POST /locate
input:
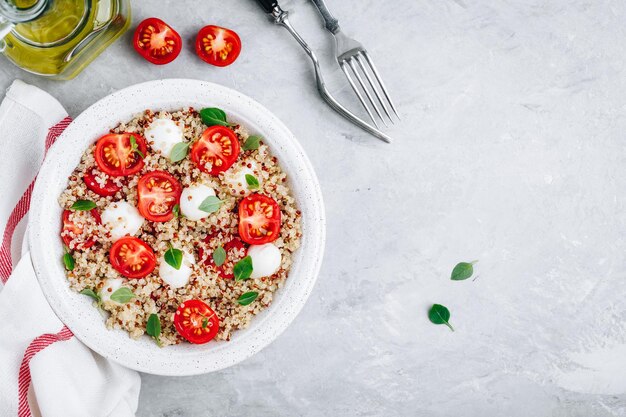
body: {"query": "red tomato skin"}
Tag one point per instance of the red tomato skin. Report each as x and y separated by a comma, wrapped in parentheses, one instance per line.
(187, 332)
(201, 144)
(68, 224)
(120, 267)
(272, 223)
(145, 53)
(115, 138)
(109, 189)
(143, 203)
(209, 58)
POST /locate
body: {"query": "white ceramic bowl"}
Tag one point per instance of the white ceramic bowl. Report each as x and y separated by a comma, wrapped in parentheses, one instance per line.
(76, 310)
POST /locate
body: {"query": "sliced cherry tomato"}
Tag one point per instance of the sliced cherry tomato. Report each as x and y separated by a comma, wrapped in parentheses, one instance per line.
(158, 192)
(132, 257)
(217, 45)
(115, 155)
(73, 233)
(108, 189)
(196, 321)
(218, 147)
(259, 219)
(235, 251)
(156, 41)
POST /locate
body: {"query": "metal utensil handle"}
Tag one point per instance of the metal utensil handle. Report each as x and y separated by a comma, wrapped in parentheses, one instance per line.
(330, 22)
(268, 5)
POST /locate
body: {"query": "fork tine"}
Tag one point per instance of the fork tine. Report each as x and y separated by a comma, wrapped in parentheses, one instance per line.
(364, 87)
(373, 84)
(380, 80)
(358, 93)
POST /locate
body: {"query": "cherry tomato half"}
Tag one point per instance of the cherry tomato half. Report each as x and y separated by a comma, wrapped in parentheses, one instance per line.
(217, 45)
(235, 251)
(156, 41)
(158, 192)
(218, 147)
(73, 229)
(115, 155)
(108, 189)
(196, 321)
(259, 219)
(132, 257)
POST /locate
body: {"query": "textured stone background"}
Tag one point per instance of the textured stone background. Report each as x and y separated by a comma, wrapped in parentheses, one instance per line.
(512, 151)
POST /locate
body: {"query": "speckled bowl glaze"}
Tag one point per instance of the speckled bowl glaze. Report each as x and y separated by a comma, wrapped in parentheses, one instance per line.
(76, 310)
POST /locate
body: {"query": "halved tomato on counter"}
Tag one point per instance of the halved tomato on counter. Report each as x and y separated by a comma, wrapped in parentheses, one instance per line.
(73, 231)
(158, 192)
(196, 322)
(132, 257)
(235, 251)
(116, 156)
(259, 219)
(156, 41)
(217, 45)
(216, 151)
(108, 189)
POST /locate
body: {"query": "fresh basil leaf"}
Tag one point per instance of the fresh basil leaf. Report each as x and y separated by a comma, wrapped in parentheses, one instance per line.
(212, 116)
(205, 323)
(83, 205)
(179, 151)
(91, 293)
(68, 260)
(252, 143)
(219, 256)
(211, 204)
(122, 295)
(176, 210)
(243, 269)
(462, 270)
(135, 147)
(153, 327)
(174, 257)
(439, 314)
(253, 183)
(247, 298)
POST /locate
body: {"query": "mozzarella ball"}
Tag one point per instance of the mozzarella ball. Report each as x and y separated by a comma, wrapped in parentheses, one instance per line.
(110, 286)
(121, 219)
(191, 198)
(163, 134)
(177, 278)
(236, 182)
(265, 260)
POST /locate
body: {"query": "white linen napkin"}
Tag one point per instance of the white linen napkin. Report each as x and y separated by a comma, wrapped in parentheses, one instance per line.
(44, 369)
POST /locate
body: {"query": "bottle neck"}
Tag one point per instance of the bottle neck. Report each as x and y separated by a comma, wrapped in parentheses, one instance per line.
(20, 11)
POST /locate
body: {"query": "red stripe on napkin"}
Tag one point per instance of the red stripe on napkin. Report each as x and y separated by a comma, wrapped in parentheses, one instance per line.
(36, 346)
(22, 206)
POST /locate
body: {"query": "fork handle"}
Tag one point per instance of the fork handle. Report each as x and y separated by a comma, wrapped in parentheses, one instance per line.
(268, 5)
(330, 22)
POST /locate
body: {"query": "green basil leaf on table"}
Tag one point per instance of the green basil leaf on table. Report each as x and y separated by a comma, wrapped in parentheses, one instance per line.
(439, 314)
(462, 270)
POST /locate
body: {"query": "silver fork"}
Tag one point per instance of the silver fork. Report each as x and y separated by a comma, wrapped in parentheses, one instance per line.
(280, 17)
(353, 58)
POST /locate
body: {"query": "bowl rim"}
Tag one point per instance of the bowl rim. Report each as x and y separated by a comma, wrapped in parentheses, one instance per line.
(191, 359)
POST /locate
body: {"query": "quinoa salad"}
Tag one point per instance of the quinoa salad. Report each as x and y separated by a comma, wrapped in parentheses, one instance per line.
(179, 225)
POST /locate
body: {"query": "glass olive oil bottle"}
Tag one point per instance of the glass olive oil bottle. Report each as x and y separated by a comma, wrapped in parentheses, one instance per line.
(58, 38)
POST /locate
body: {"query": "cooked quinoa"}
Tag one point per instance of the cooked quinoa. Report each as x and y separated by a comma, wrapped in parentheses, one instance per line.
(200, 238)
